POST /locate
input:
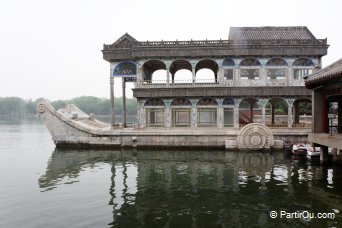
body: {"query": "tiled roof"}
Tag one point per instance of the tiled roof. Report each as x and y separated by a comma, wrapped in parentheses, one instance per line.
(330, 72)
(270, 33)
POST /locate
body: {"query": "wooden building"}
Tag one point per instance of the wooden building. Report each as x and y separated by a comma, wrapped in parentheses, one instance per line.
(326, 87)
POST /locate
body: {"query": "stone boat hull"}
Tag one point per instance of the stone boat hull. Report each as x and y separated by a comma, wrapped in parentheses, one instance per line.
(70, 128)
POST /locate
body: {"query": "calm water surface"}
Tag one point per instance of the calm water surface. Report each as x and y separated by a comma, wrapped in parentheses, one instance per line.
(45, 187)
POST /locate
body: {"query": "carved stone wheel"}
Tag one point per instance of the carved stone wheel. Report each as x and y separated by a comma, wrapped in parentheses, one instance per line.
(255, 136)
(41, 108)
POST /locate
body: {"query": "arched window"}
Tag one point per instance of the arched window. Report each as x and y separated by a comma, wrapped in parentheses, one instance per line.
(302, 67)
(206, 71)
(228, 112)
(276, 112)
(249, 68)
(249, 111)
(155, 110)
(207, 112)
(181, 71)
(152, 66)
(276, 68)
(302, 113)
(228, 65)
(181, 112)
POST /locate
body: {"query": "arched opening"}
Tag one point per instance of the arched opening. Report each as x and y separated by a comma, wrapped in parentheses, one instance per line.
(159, 77)
(205, 76)
(181, 112)
(207, 112)
(334, 110)
(182, 77)
(249, 111)
(206, 71)
(276, 112)
(150, 67)
(228, 66)
(249, 68)
(302, 67)
(276, 68)
(228, 112)
(155, 111)
(181, 72)
(302, 113)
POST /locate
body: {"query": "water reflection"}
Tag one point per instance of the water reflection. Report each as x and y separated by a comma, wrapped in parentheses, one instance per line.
(203, 188)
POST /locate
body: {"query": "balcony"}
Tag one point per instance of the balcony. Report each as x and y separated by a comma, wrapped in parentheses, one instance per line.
(178, 83)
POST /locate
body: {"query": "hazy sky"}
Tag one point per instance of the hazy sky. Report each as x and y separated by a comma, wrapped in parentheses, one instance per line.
(52, 49)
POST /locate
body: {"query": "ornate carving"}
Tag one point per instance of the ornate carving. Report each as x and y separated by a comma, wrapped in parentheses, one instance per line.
(255, 136)
(41, 108)
(125, 68)
(305, 62)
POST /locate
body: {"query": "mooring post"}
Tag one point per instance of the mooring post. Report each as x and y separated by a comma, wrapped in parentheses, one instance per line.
(112, 119)
(324, 154)
(124, 102)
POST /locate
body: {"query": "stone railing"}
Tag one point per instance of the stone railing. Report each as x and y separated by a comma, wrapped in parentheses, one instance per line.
(196, 43)
(178, 83)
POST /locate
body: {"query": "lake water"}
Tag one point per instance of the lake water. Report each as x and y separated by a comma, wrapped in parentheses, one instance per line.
(45, 187)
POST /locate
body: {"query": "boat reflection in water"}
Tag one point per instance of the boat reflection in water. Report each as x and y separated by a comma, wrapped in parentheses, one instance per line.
(203, 188)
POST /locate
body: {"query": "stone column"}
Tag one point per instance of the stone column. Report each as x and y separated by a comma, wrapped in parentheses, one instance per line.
(272, 113)
(193, 113)
(193, 76)
(220, 76)
(112, 119)
(167, 115)
(263, 76)
(289, 112)
(141, 114)
(236, 113)
(263, 103)
(220, 114)
(168, 63)
(193, 63)
(124, 102)
(140, 76)
(251, 113)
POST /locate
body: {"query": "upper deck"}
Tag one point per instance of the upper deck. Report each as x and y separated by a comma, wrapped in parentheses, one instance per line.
(251, 57)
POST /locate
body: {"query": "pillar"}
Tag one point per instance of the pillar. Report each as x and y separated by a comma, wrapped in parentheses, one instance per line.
(251, 111)
(141, 114)
(272, 114)
(220, 76)
(220, 114)
(140, 76)
(263, 103)
(335, 156)
(168, 64)
(289, 112)
(339, 121)
(167, 77)
(112, 119)
(193, 76)
(167, 114)
(194, 113)
(124, 102)
(236, 113)
(319, 118)
(324, 154)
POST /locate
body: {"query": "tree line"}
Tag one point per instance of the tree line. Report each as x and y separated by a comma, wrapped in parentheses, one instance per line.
(88, 104)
